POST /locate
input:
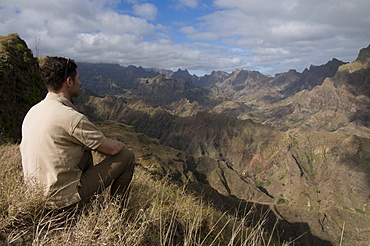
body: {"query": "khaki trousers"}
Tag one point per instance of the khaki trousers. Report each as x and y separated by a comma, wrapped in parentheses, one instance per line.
(115, 171)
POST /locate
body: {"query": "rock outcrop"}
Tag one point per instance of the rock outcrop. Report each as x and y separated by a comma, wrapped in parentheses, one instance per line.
(20, 85)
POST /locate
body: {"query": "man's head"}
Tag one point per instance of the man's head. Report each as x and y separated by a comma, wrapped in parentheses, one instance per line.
(57, 71)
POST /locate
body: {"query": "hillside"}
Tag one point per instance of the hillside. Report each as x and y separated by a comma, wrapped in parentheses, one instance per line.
(301, 135)
(158, 212)
(20, 85)
(294, 147)
(300, 138)
(159, 167)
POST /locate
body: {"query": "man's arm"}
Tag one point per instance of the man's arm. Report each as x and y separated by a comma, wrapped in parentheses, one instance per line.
(110, 147)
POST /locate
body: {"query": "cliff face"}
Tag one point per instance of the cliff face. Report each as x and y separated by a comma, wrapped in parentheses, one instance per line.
(20, 85)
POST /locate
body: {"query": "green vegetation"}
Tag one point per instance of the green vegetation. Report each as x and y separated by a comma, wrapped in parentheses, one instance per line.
(296, 121)
(20, 85)
(281, 176)
(360, 211)
(282, 200)
(20, 47)
(263, 183)
(357, 210)
(157, 213)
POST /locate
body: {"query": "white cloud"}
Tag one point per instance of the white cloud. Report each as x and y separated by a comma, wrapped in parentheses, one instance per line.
(315, 31)
(194, 34)
(187, 3)
(63, 28)
(147, 11)
(267, 35)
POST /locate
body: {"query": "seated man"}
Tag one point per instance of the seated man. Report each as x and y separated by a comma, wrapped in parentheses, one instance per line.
(57, 142)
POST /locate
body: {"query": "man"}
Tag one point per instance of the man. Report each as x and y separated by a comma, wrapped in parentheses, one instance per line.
(57, 142)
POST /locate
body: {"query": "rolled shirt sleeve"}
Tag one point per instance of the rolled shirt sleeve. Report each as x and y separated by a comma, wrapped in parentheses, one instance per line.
(88, 134)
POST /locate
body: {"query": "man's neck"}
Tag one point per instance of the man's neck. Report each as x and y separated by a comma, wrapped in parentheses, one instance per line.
(62, 94)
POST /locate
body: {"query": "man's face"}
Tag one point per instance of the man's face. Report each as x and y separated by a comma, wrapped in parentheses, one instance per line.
(75, 89)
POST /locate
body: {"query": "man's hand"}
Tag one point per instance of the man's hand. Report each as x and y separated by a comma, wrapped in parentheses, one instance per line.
(111, 147)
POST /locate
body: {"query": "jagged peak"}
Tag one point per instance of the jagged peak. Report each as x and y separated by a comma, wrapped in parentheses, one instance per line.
(293, 71)
(218, 73)
(364, 55)
(180, 70)
(179, 74)
(332, 64)
(245, 71)
(185, 71)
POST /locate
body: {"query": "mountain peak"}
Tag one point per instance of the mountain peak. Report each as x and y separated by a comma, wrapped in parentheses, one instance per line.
(180, 74)
(364, 55)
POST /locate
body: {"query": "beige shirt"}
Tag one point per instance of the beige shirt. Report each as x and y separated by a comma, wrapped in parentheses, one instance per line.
(53, 138)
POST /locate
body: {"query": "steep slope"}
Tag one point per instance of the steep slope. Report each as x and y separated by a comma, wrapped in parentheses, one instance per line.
(163, 91)
(306, 80)
(318, 179)
(20, 85)
(355, 76)
(209, 81)
(287, 168)
(338, 104)
(355, 79)
(292, 223)
(184, 108)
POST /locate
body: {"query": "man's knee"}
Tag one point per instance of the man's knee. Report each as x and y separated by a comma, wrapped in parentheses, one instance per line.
(127, 157)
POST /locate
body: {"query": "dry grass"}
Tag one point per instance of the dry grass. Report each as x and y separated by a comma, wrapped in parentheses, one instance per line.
(157, 213)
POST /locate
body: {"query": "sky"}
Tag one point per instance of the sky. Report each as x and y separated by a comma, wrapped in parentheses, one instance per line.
(269, 36)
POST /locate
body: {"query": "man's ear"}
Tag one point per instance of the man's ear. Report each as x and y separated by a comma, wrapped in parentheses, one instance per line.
(69, 81)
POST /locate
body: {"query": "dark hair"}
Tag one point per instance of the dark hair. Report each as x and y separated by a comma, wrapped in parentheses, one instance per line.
(55, 70)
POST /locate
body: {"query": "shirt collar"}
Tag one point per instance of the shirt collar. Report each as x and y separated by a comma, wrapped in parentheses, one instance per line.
(56, 97)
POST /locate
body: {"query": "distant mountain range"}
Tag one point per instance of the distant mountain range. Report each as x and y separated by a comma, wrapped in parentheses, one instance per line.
(252, 123)
(298, 143)
(302, 139)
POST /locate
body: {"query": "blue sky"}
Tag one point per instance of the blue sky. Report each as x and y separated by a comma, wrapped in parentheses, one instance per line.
(269, 36)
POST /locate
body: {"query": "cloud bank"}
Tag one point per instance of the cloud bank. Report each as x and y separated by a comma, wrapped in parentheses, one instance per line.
(265, 35)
